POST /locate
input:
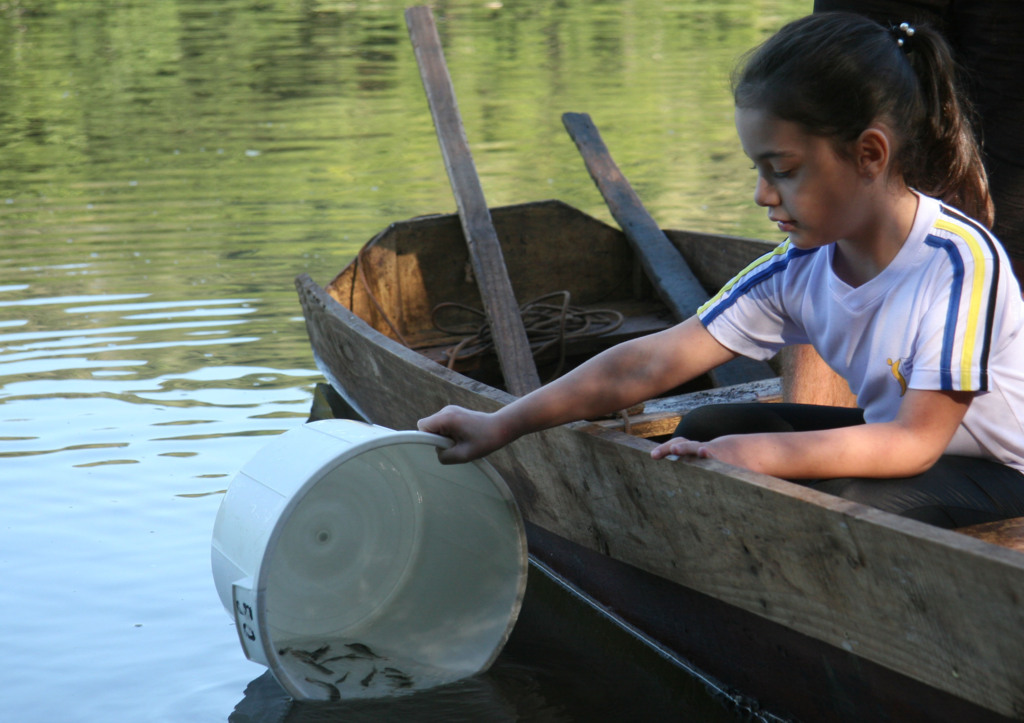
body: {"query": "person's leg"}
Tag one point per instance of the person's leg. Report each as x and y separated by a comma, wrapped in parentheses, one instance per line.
(718, 420)
(956, 492)
(807, 379)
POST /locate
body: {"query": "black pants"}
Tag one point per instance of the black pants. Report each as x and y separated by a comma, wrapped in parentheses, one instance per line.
(955, 492)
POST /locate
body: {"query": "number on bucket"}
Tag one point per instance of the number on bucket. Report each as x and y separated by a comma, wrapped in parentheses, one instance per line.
(245, 621)
(243, 615)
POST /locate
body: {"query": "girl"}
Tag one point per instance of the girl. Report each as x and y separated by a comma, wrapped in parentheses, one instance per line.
(855, 132)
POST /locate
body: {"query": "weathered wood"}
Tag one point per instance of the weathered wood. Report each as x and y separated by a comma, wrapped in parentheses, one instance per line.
(928, 603)
(662, 262)
(932, 605)
(662, 416)
(1005, 533)
(427, 260)
(771, 668)
(499, 301)
(713, 258)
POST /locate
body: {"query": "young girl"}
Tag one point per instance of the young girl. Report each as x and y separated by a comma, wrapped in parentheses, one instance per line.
(855, 131)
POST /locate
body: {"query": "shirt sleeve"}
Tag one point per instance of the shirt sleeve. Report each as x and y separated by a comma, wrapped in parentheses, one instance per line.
(955, 333)
(748, 314)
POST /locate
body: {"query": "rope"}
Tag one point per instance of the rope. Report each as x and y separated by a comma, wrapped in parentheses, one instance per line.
(547, 325)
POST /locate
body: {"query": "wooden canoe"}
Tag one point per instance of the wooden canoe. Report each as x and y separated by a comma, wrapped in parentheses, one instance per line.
(820, 608)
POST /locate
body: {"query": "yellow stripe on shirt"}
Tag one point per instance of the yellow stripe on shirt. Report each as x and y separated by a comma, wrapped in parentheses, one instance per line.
(975, 306)
(759, 261)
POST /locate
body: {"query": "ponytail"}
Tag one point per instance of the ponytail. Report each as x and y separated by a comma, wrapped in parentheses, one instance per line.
(946, 161)
(837, 73)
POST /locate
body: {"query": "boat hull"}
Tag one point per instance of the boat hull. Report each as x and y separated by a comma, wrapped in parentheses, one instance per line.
(903, 621)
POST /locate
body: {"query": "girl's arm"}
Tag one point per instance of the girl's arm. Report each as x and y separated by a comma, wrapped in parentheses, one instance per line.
(906, 446)
(618, 378)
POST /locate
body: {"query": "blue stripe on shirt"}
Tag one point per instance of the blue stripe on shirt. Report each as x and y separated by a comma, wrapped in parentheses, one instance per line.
(760, 271)
(952, 312)
(993, 291)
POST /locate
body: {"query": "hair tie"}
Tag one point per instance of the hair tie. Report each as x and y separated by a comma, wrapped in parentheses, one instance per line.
(903, 34)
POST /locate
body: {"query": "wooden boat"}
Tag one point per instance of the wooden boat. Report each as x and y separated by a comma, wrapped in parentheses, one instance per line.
(817, 607)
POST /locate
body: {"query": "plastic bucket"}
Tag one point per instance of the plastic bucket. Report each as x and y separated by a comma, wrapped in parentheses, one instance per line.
(356, 565)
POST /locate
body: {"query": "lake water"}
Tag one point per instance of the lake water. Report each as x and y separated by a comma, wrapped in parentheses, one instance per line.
(167, 168)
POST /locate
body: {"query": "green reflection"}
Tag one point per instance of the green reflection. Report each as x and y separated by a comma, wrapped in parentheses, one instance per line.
(198, 150)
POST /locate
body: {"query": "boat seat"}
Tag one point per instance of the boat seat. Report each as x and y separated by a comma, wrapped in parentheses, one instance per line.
(661, 416)
(1006, 533)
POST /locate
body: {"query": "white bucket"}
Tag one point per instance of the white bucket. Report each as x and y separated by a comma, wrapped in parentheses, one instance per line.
(356, 565)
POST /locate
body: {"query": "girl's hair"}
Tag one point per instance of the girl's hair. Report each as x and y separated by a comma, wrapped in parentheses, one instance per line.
(837, 73)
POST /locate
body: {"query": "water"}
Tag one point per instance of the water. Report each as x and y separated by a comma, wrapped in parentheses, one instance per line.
(167, 169)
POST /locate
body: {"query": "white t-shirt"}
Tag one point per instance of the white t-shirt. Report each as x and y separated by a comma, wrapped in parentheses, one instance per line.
(945, 314)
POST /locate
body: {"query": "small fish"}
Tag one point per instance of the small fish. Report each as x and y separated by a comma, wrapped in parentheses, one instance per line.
(319, 668)
(342, 678)
(350, 656)
(320, 652)
(397, 678)
(333, 694)
(308, 660)
(283, 651)
(365, 682)
(363, 650)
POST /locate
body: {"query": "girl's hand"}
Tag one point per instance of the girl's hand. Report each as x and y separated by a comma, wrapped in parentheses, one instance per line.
(681, 447)
(475, 434)
(739, 450)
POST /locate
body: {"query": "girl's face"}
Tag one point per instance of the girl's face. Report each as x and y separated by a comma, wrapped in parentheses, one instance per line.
(812, 193)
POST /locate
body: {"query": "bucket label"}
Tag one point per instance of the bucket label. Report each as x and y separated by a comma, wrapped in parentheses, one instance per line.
(245, 620)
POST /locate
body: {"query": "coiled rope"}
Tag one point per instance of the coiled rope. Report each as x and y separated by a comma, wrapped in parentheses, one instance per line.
(547, 325)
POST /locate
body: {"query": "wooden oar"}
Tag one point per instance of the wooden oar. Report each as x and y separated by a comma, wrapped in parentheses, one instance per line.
(510, 341)
(662, 262)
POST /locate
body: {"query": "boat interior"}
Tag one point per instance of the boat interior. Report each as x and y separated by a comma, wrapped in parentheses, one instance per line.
(577, 280)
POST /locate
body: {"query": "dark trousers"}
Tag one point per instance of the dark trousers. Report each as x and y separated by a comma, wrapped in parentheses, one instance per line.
(955, 492)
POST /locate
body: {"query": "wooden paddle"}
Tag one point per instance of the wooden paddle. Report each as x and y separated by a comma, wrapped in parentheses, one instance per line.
(662, 262)
(510, 341)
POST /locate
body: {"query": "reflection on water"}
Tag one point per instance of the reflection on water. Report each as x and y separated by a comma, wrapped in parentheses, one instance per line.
(168, 167)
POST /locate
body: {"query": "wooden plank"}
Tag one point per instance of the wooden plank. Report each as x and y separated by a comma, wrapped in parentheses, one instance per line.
(937, 606)
(787, 674)
(662, 262)
(715, 258)
(662, 416)
(511, 343)
(1005, 533)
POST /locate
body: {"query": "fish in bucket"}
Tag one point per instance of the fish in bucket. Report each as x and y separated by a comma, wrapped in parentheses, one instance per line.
(356, 565)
